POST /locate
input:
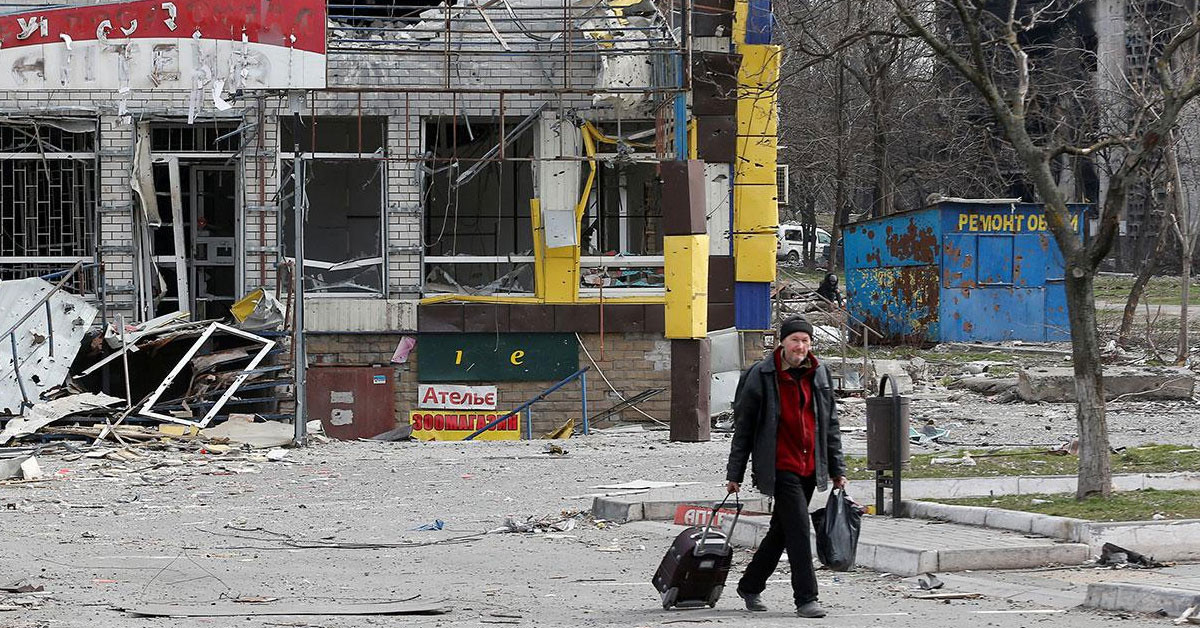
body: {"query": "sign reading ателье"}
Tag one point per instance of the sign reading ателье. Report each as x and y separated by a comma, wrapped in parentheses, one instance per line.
(451, 397)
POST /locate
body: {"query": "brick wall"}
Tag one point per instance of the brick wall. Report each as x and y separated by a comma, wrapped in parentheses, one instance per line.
(632, 362)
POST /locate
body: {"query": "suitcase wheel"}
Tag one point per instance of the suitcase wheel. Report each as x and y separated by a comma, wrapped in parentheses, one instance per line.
(668, 597)
(714, 596)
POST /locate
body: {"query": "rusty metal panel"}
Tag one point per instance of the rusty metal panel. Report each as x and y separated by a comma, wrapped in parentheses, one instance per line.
(900, 302)
(993, 313)
(1058, 325)
(352, 401)
(1030, 257)
(908, 239)
(151, 44)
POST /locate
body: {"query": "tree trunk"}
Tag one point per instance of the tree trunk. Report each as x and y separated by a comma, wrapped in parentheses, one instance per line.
(1094, 465)
(1145, 272)
(1185, 288)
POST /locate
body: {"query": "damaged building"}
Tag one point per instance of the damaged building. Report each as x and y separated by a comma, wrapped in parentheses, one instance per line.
(495, 195)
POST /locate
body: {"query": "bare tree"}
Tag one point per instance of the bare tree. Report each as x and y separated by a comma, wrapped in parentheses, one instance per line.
(986, 43)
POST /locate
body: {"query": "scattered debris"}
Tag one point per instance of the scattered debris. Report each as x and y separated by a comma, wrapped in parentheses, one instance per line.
(399, 433)
(564, 431)
(948, 596)
(22, 586)
(930, 582)
(1190, 615)
(1116, 556)
(43, 414)
(436, 524)
(242, 429)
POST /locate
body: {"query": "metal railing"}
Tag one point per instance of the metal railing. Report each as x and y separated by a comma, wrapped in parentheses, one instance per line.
(526, 407)
(11, 333)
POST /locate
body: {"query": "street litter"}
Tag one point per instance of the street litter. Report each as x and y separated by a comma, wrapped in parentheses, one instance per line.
(929, 582)
(1120, 558)
(436, 524)
(547, 524)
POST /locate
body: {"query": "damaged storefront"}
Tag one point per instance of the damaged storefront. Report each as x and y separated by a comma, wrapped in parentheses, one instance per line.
(587, 191)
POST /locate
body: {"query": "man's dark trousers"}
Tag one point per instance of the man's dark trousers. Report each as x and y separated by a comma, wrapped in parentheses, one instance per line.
(789, 529)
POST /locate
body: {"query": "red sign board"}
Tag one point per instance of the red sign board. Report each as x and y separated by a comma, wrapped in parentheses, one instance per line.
(151, 44)
(693, 515)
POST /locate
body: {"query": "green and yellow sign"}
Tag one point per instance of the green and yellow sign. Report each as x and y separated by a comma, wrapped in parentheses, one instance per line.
(496, 357)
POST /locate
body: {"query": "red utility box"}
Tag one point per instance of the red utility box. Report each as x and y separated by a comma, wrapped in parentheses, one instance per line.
(352, 401)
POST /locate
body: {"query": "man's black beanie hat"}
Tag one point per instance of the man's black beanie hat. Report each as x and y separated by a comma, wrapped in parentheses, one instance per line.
(793, 325)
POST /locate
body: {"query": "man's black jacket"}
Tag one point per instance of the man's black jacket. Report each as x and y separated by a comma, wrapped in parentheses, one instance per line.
(756, 421)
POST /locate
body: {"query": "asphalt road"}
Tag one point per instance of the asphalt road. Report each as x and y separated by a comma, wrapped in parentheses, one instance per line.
(187, 528)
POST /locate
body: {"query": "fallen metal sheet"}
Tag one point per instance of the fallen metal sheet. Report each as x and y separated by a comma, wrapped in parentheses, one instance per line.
(47, 412)
(46, 343)
(241, 428)
(147, 408)
(242, 610)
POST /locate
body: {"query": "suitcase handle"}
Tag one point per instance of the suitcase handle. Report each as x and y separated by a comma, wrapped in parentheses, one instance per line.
(713, 517)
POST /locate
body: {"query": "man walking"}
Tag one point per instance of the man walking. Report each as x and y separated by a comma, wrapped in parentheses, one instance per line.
(786, 420)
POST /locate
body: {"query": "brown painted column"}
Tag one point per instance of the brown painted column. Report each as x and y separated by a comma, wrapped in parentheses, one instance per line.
(686, 247)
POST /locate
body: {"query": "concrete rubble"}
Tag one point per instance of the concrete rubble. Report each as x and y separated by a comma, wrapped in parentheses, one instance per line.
(1142, 383)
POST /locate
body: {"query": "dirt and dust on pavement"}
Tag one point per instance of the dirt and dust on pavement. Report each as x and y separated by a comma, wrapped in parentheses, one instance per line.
(339, 523)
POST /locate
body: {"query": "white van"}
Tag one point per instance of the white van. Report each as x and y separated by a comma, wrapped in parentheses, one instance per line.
(791, 243)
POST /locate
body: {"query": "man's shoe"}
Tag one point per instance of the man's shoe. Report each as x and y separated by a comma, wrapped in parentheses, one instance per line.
(753, 601)
(812, 610)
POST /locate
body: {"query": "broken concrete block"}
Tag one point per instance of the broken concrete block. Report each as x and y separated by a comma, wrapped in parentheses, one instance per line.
(896, 370)
(986, 385)
(1140, 383)
(30, 469)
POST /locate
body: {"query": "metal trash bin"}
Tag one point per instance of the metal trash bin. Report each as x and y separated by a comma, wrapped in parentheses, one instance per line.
(887, 443)
(881, 428)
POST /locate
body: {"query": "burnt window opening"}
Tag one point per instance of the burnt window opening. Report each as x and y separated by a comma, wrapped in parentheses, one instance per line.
(343, 248)
(477, 209)
(47, 197)
(202, 137)
(366, 12)
(333, 134)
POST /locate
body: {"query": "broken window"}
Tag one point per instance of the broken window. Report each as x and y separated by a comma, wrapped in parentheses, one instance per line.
(478, 227)
(202, 137)
(622, 227)
(345, 176)
(47, 196)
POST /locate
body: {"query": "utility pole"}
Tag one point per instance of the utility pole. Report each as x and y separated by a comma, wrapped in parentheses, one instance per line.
(299, 216)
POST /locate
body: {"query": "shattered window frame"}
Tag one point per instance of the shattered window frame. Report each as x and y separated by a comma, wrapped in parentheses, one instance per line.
(371, 154)
(507, 267)
(41, 152)
(625, 273)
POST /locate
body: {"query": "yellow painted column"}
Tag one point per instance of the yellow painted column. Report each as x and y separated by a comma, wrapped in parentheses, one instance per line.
(755, 192)
(685, 258)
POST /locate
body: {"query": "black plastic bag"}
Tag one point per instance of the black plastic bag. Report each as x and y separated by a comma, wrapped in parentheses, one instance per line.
(836, 527)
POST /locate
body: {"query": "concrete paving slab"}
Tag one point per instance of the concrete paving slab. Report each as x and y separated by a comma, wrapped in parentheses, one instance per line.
(1140, 598)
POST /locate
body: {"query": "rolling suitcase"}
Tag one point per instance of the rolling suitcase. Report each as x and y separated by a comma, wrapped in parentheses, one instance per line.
(693, 572)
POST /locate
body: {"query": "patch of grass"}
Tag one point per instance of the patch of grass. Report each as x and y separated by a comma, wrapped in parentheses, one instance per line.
(1000, 462)
(1124, 506)
(1160, 290)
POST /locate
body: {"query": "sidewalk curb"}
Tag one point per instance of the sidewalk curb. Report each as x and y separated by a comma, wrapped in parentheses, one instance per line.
(1139, 598)
(1164, 540)
(906, 560)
